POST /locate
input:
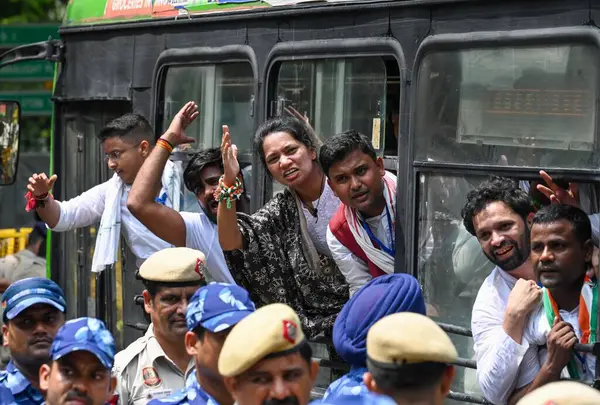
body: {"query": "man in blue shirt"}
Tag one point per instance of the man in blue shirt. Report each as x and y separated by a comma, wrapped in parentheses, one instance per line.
(82, 356)
(212, 312)
(33, 312)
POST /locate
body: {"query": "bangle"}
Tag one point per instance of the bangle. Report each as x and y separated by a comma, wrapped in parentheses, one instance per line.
(163, 143)
(34, 202)
(228, 194)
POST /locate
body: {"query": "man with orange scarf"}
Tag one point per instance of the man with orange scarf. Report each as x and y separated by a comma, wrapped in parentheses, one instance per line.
(361, 234)
(561, 255)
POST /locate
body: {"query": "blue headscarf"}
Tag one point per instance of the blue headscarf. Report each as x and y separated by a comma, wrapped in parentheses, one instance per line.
(380, 297)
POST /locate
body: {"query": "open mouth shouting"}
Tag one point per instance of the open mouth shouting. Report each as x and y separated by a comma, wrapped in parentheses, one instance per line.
(291, 174)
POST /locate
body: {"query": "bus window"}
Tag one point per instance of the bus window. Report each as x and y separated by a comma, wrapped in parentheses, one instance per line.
(338, 94)
(224, 94)
(335, 94)
(535, 105)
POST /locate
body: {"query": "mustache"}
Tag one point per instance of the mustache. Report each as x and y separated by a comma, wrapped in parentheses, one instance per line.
(505, 243)
(74, 395)
(176, 318)
(291, 400)
(40, 339)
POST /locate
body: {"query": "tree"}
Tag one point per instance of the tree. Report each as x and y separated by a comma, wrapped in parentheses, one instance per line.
(31, 11)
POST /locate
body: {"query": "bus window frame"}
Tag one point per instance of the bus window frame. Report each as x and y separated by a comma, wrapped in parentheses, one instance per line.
(346, 48)
(481, 40)
(196, 56)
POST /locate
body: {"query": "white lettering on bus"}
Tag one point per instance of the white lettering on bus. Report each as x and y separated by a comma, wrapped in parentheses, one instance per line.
(122, 5)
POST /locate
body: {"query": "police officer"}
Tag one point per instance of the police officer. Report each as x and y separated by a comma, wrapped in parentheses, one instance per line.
(33, 312)
(29, 262)
(211, 314)
(157, 364)
(408, 357)
(82, 356)
(562, 393)
(266, 359)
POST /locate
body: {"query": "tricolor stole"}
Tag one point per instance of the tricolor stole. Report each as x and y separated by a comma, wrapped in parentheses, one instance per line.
(588, 319)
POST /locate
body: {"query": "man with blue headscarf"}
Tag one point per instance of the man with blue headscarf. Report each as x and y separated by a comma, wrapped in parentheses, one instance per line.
(380, 297)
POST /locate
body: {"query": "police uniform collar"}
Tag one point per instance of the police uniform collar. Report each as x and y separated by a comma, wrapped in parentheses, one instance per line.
(156, 351)
(18, 381)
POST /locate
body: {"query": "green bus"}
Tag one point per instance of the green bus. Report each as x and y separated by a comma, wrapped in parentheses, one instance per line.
(449, 91)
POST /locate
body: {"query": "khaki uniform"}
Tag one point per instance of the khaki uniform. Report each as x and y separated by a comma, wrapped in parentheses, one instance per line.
(144, 372)
(23, 264)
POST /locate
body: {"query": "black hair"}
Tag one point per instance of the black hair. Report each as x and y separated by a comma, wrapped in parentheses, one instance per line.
(199, 331)
(298, 129)
(394, 380)
(303, 349)
(199, 161)
(131, 125)
(575, 216)
(339, 146)
(492, 190)
(154, 287)
(38, 233)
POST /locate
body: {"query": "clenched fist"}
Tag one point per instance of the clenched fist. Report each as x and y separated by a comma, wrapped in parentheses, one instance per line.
(523, 298)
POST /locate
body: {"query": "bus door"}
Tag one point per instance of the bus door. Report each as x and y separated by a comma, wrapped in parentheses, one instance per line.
(507, 107)
(79, 164)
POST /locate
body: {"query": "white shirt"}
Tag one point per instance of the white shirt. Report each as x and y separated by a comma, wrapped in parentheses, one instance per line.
(87, 208)
(595, 222)
(201, 234)
(352, 267)
(503, 365)
(537, 331)
(327, 205)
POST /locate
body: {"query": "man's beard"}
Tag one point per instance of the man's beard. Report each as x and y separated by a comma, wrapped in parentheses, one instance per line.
(291, 400)
(520, 254)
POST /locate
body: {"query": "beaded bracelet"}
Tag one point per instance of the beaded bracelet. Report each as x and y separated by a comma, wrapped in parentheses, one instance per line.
(228, 194)
(163, 143)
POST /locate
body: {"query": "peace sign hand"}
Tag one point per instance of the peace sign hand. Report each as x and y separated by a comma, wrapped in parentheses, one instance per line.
(175, 134)
(556, 194)
(231, 166)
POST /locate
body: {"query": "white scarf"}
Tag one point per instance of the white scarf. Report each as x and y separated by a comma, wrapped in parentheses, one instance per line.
(106, 252)
(379, 257)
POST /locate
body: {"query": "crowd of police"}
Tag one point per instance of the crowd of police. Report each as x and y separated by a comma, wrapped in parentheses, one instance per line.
(234, 298)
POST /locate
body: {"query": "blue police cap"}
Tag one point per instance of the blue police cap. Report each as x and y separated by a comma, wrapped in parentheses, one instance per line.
(85, 334)
(364, 399)
(25, 293)
(218, 306)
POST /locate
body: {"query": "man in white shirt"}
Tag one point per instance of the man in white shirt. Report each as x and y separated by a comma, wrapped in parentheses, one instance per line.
(496, 213)
(127, 142)
(361, 234)
(561, 253)
(196, 230)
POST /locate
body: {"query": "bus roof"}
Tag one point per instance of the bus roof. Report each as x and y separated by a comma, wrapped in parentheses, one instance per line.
(84, 12)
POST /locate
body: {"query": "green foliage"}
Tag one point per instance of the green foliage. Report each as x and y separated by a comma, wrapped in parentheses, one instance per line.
(31, 11)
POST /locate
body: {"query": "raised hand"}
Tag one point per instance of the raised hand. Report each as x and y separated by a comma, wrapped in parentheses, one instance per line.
(295, 113)
(40, 184)
(556, 194)
(231, 166)
(523, 298)
(175, 134)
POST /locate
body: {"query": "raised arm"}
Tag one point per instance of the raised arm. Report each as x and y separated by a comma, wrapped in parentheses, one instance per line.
(164, 222)
(48, 209)
(230, 236)
(499, 343)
